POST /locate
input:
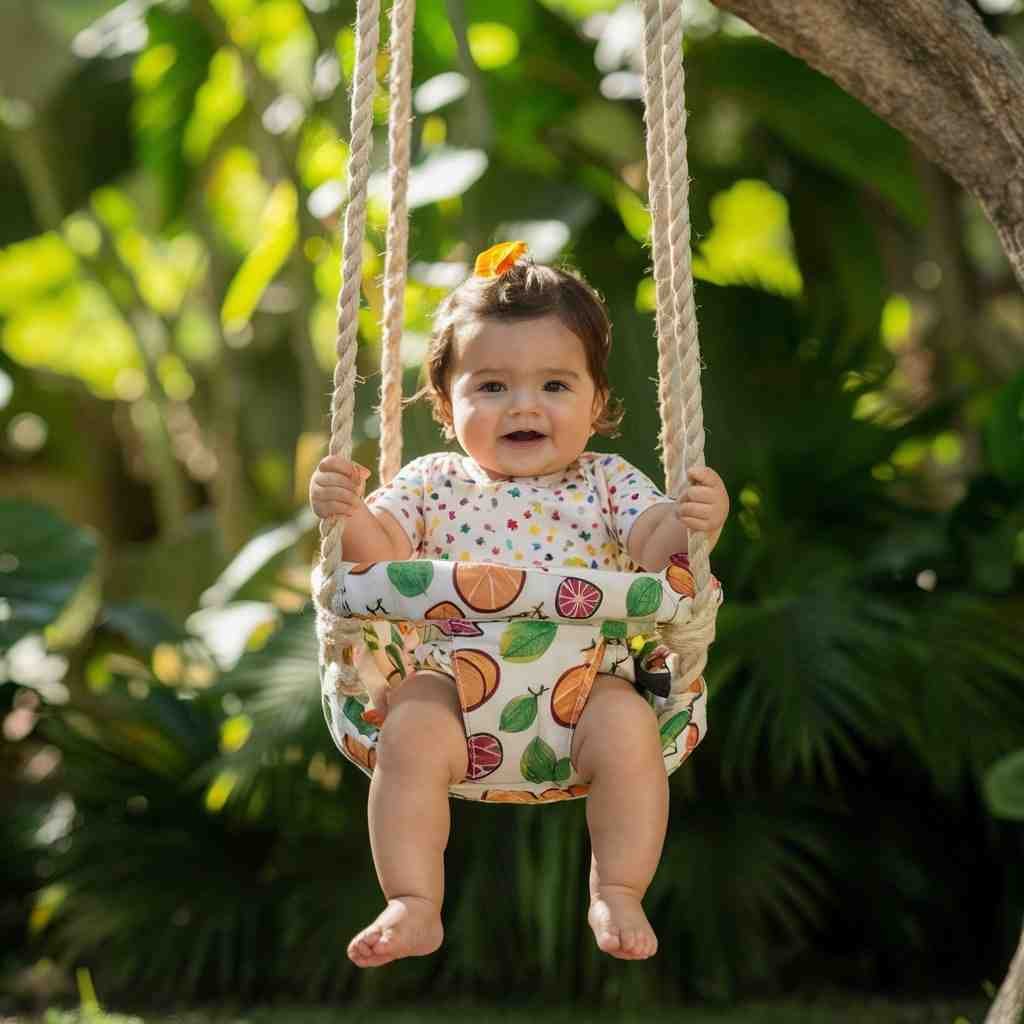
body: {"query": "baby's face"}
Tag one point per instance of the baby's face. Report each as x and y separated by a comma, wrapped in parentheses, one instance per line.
(523, 402)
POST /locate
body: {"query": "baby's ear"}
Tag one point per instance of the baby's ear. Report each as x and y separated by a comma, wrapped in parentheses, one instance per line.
(600, 401)
(443, 415)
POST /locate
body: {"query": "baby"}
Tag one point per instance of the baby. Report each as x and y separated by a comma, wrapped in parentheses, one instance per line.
(517, 373)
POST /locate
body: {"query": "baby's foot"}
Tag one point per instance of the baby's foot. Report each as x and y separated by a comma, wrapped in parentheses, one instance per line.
(407, 926)
(620, 925)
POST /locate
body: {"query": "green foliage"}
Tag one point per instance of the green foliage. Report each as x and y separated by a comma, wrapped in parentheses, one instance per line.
(43, 563)
(169, 75)
(1005, 433)
(867, 676)
(1004, 787)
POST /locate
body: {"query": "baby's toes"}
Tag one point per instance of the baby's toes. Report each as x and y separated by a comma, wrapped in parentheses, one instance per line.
(362, 946)
(628, 940)
(609, 939)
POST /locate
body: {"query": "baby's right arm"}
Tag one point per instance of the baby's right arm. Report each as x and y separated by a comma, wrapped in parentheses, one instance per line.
(337, 490)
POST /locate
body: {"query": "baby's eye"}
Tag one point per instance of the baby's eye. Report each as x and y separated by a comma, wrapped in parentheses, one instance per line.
(492, 386)
(556, 385)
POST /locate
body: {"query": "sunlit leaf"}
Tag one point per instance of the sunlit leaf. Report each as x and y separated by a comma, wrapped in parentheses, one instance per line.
(237, 194)
(634, 213)
(278, 233)
(115, 210)
(492, 44)
(219, 100)
(750, 242)
(322, 155)
(32, 269)
(285, 44)
(77, 333)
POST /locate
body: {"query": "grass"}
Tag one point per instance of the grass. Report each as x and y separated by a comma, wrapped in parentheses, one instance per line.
(824, 1011)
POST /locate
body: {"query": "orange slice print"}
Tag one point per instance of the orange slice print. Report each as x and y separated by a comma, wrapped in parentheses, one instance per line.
(569, 696)
(679, 577)
(444, 610)
(366, 757)
(476, 675)
(525, 796)
(488, 588)
(509, 796)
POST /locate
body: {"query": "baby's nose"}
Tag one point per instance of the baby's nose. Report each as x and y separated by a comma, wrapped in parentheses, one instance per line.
(524, 399)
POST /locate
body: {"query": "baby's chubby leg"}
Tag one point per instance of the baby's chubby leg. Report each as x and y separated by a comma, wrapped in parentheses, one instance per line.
(617, 750)
(421, 751)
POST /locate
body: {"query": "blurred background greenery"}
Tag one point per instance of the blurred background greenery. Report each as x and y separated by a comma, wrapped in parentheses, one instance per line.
(176, 818)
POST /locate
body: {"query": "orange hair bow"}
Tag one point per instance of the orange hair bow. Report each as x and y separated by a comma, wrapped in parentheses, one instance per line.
(498, 259)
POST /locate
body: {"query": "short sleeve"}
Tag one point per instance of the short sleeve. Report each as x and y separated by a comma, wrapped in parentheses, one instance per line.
(403, 498)
(630, 494)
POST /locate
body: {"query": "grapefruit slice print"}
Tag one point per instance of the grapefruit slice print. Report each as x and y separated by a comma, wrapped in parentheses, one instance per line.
(484, 755)
(577, 599)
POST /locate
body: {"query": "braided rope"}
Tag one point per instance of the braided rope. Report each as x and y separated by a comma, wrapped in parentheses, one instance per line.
(402, 16)
(334, 631)
(684, 319)
(678, 347)
(669, 397)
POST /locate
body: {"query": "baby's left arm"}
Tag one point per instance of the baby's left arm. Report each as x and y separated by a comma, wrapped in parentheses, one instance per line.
(663, 530)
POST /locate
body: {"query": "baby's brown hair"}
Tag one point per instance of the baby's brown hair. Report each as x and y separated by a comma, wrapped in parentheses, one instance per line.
(526, 291)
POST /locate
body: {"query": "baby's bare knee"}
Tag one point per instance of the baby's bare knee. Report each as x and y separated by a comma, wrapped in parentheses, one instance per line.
(423, 730)
(618, 728)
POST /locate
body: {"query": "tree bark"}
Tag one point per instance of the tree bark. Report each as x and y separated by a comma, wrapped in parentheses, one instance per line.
(1008, 1007)
(929, 68)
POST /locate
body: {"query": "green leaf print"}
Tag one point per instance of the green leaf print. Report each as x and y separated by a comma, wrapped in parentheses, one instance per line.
(370, 637)
(354, 713)
(410, 579)
(395, 657)
(527, 640)
(614, 629)
(396, 637)
(563, 769)
(518, 714)
(643, 597)
(538, 762)
(671, 728)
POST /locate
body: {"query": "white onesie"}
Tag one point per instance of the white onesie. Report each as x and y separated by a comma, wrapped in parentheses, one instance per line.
(580, 516)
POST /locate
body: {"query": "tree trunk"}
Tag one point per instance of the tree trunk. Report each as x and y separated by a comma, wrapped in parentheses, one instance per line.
(1009, 1005)
(929, 68)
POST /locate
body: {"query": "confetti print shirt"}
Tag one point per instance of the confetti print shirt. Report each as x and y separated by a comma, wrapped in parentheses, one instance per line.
(580, 516)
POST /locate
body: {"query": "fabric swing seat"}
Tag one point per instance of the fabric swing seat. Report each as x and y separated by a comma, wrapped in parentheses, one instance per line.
(523, 647)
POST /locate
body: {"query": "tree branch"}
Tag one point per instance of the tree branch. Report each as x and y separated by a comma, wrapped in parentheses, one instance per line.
(931, 70)
(1008, 1007)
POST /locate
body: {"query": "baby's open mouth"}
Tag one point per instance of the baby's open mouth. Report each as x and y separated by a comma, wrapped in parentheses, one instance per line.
(523, 435)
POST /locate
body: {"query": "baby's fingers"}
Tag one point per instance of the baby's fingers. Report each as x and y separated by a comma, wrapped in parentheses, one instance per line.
(690, 512)
(329, 508)
(701, 494)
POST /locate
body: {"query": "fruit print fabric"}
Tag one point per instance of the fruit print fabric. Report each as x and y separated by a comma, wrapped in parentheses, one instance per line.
(579, 517)
(523, 662)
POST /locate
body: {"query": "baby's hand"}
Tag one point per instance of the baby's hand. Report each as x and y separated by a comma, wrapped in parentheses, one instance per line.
(336, 489)
(705, 505)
